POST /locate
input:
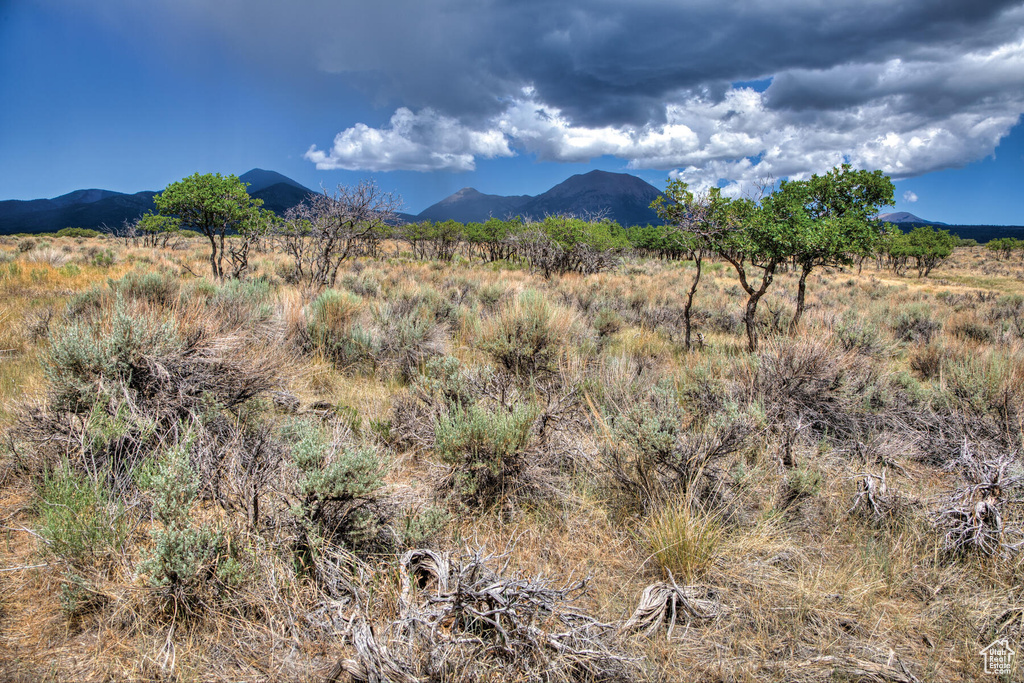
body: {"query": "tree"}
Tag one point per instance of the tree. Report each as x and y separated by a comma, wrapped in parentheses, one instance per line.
(326, 228)
(695, 224)
(211, 204)
(841, 206)
(929, 247)
(157, 230)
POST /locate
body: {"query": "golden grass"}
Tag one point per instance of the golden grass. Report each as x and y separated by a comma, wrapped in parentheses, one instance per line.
(799, 578)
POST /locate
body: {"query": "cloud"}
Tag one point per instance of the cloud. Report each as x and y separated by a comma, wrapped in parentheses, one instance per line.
(426, 141)
(910, 196)
(908, 86)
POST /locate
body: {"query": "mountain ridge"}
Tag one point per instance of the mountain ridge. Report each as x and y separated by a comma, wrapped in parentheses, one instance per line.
(624, 198)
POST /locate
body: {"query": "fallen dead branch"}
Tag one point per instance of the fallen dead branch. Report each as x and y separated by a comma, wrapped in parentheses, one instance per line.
(972, 518)
(459, 617)
(666, 602)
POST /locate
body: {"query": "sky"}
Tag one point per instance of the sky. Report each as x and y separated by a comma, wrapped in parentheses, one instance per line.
(514, 96)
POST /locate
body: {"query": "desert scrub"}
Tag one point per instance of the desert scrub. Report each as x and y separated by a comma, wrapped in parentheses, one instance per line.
(333, 329)
(83, 524)
(187, 562)
(89, 357)
(681, 540)
(336, 487)
(527, 335)
(160, 289)
(486, 451)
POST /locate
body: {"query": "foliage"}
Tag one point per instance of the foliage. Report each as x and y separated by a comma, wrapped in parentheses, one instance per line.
(335, 486)
(78, 517)
(186, 560)
(77, 232)
(526, 336)
(485, 450)
(213, 205)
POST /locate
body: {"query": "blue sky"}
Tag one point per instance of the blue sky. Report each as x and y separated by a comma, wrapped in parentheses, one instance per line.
(428, 98)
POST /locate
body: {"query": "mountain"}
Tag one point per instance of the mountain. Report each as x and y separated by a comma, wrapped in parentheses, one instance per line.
(79, 209)
(95, 208)
(258, 180)
(280, 197)
(904, 217)
(469, 206)
(622, 197)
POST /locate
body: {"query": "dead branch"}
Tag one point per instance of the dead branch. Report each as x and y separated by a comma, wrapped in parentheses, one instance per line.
(663, 602)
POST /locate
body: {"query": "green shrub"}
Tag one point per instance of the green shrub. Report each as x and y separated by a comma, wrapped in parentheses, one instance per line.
(87, 357)
(915, 323)
(78, 517)
(187, 560)
(526, 336)
(77, 232)
(803, 482)
(155, 288)
(486, 451)
(104, 258)
(336, 485)
(333, 329)
(443, 378)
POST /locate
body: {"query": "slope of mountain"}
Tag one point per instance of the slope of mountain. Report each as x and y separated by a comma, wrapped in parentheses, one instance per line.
(95, 208)
(469, 206)
(904, 217)
(259, 180)
(625, 198)
(280, 197)
(622, 197)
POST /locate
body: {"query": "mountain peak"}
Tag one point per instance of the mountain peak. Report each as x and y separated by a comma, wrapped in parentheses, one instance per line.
(904, 217)
(622, 197)
(260, 179)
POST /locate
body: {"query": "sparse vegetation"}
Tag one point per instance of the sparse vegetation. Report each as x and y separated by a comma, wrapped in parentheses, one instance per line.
(443, 457)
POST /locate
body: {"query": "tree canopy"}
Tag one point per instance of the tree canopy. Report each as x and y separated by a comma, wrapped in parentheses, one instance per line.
(210, 204)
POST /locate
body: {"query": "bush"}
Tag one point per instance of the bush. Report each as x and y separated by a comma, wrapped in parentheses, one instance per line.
(77, 232)
(187, 561)
(80, 521)
(336, 486)
(155, 288)
(88, 358)
(682, 541)
(485, 451)
(914, 323)
(526, 337)
(332, 328)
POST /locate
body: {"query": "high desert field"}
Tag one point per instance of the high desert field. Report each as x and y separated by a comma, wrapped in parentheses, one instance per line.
(465, 471)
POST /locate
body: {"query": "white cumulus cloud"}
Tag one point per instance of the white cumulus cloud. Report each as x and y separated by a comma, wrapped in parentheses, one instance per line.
(909, 196)
(424, 141)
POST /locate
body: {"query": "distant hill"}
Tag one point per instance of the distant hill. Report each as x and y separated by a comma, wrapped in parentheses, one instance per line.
(980, 233)
(469, 206)
(97, 208)
(904, 217)
(624, 198)
(258, 180)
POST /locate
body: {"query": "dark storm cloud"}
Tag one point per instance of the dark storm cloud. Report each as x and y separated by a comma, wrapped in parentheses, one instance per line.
(909, 86)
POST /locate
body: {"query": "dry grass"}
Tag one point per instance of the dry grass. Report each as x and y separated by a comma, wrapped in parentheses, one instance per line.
(810, 590)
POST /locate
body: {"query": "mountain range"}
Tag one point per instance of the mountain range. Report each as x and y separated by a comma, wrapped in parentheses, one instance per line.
(621, 197)
(98, 208)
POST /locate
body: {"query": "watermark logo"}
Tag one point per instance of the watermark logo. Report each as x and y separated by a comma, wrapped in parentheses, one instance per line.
(998, 657)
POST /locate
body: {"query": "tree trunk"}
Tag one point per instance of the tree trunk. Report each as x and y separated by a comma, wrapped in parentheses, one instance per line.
(698, 262)
(801, 291)
(213, 258)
